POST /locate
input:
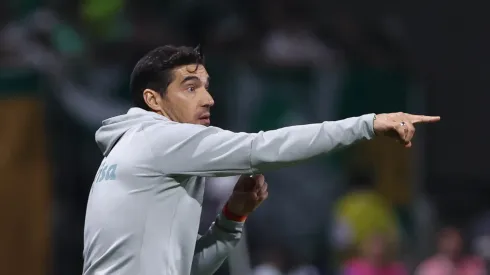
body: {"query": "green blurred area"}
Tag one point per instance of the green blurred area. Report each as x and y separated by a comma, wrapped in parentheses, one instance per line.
(21, 8)
(19, 82)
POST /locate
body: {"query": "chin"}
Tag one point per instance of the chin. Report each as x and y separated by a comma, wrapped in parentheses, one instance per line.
(204, 122)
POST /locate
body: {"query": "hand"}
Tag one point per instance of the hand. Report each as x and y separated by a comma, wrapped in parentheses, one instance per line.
(400, 126)
(248, 194)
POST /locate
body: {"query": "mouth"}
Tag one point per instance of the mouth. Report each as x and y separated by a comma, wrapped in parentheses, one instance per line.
(205, 119)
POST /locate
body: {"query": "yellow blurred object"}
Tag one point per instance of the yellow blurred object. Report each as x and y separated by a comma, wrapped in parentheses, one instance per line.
(366, 213)
(102, 16)
(96, 10)
(392, 168)
(24, 188)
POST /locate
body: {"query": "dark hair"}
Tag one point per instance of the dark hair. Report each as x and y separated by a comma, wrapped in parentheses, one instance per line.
(361, 179)
(154, 70)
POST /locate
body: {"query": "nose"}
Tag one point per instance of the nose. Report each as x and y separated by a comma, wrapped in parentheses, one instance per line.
(208, 101)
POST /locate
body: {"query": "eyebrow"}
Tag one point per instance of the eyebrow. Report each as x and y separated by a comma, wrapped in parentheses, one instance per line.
(192, 77)
(188, 78)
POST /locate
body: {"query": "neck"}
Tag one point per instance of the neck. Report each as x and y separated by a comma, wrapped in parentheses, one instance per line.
(375, 261)
(453, 258)
(163, 113)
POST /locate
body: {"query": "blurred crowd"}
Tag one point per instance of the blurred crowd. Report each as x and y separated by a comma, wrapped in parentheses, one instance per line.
(65, 66)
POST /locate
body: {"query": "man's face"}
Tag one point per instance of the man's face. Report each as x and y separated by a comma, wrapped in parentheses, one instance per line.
(376, 247)
(450, 242)
(187, 99)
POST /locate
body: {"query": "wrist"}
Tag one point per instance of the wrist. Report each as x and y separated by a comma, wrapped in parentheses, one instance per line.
(232, 216)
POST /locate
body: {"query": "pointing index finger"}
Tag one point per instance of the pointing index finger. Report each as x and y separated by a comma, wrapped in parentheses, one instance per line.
(423, 119)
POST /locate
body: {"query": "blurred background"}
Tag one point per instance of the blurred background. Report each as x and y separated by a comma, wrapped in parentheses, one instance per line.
(375, 207)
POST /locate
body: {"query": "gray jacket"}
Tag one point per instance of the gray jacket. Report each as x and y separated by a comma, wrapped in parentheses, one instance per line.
(145, 203)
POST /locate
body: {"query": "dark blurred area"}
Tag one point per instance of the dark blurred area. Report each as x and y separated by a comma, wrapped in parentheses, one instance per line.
(65, 66)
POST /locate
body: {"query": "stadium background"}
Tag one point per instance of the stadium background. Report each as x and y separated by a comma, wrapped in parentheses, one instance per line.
(64, 67)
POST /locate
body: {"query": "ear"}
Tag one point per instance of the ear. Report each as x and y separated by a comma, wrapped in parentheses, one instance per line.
(152, 99)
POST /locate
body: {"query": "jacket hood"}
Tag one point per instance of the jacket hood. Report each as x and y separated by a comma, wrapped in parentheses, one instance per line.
(114, 128)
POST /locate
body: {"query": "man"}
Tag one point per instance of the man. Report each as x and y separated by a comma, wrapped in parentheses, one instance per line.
(145, 203)
(450, 258)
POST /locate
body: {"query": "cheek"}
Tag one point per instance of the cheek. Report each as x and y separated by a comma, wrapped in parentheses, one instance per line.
(186, 106)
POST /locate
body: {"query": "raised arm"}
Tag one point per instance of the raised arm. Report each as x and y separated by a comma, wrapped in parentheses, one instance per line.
(188, 149)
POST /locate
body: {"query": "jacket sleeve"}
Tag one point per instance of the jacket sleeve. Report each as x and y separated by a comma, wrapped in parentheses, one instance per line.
(188, 149)
(213, 248)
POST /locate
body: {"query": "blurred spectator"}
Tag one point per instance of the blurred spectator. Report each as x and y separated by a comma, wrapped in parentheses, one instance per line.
(361, 213)
(289, 40)
(272, 262)
(450, 258)
(375, 258)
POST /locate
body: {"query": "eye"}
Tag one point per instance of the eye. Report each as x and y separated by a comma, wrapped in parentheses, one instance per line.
(191, 89)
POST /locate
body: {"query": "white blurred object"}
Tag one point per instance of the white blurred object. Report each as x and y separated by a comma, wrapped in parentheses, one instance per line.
(341, 235)
(305, 270)
(266, 269)
(298, 47)
(87, 104)
(481, 246)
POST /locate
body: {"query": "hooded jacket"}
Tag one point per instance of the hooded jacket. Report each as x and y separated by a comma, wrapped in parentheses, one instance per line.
(145, 202)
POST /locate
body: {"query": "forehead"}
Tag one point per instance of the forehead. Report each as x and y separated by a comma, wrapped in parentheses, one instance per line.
(450, 234)
(190, 70)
